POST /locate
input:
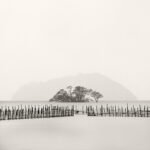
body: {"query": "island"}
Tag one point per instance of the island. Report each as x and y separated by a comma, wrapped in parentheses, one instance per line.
(76, 94)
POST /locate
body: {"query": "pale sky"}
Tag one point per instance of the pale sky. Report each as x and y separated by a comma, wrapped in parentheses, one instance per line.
(45, 39)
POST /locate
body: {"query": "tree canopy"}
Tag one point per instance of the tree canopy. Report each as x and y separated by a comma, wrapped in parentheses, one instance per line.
(76, 94)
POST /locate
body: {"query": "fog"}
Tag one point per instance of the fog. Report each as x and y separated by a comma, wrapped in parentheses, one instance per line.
(41, 40)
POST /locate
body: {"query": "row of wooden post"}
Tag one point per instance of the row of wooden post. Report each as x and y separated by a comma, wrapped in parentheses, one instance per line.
(48, 111)
(118, 111)
(31, 112)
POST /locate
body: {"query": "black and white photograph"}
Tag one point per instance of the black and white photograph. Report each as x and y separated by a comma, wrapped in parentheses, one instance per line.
(74, 75)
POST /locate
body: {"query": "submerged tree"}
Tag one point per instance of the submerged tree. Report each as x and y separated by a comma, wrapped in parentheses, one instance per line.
(76, 94)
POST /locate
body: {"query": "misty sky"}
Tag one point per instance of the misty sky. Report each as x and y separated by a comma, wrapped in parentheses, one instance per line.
(45, 39)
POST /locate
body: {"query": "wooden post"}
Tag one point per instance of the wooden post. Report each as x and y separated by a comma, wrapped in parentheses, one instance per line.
(147, 112)
(140, 111)
(144, 111)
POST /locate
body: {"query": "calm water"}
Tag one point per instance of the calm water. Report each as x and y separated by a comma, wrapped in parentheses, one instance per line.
(99, 103)
(76, 133)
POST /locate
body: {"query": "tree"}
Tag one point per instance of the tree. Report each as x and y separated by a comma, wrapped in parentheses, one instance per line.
(69, 88)
(96, 95)
(61, 95)
(80, 93)
(76, 94)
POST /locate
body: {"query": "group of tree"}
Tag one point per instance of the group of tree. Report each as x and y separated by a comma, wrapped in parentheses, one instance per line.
(76, 94)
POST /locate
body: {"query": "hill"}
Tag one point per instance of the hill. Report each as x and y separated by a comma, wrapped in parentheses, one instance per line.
(43, 91)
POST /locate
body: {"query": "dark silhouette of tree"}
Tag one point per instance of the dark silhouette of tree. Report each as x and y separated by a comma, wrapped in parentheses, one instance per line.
(80, 93)
(96, 95)
(61, 95)
(76, 94)
(70, 88)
